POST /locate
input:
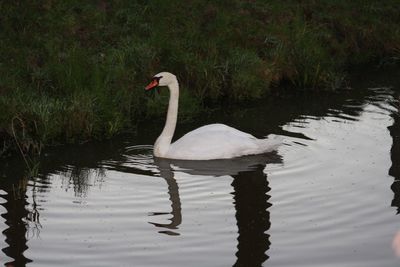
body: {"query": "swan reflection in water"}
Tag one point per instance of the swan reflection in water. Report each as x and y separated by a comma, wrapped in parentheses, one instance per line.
(250, 195)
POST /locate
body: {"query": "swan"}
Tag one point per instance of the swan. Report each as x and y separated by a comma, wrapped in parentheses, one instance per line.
(213, 141)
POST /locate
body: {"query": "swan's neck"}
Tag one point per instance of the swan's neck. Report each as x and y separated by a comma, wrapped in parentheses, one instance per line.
(163, 142)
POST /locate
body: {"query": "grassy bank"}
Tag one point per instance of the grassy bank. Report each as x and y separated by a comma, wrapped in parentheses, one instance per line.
(72, 71)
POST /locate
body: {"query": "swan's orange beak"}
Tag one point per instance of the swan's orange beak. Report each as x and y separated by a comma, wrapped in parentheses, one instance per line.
(152, 84)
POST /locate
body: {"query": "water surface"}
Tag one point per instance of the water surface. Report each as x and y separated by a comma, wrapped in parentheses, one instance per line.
(328, 197)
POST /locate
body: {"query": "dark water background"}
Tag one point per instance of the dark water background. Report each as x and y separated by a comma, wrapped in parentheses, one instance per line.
(328, 197)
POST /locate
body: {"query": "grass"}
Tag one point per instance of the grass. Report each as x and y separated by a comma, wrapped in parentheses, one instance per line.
(72, 71)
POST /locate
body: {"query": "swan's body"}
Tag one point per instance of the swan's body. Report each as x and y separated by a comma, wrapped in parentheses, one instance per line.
(218, 141)
(213, 141)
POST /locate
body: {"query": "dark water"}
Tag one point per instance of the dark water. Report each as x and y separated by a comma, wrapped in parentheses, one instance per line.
(329, 197)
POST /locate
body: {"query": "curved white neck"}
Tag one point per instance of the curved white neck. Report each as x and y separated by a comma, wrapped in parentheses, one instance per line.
(163, 142)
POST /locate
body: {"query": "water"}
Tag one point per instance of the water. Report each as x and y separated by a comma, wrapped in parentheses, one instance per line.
(328, 197)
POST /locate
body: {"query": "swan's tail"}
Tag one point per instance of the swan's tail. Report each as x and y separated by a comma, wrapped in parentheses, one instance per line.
(271, 143)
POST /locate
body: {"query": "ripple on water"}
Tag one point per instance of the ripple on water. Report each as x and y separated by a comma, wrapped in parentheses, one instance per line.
(327, 195)
(328, 186)
(128, 216)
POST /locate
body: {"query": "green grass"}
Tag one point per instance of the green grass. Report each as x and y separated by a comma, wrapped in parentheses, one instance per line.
(72, 71)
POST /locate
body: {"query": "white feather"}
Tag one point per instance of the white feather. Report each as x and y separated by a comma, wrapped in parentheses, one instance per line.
(213, 141)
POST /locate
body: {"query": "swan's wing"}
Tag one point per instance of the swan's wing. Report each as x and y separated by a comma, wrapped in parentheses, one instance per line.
(215, 141)
(216, 128)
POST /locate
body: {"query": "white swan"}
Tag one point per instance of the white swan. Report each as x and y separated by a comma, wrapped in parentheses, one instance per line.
(213, 141)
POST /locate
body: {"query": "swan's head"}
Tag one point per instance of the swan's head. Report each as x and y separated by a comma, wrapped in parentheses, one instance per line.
(162, 79)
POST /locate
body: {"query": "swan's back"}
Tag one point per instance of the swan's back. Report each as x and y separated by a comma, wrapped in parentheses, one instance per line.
(219, 141)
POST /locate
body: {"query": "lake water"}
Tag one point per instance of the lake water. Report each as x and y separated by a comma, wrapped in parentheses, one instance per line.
(329, 196)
